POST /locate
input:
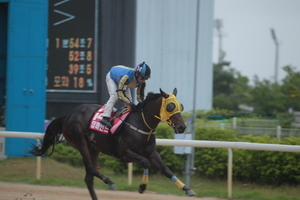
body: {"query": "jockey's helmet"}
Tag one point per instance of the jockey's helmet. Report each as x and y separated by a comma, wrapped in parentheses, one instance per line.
(143, 70)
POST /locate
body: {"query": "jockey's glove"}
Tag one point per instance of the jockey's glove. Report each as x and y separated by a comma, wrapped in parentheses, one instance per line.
(132, 106)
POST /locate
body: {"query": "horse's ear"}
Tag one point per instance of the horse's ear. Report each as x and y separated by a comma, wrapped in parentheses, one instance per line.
(165, 95)
(175, 91)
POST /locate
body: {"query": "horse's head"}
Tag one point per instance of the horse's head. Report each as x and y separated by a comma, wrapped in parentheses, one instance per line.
(170, 111)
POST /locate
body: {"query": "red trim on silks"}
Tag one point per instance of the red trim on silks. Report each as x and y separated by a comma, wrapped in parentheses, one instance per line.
(97, 126)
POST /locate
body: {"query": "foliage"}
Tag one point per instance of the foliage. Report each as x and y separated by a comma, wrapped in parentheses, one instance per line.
(212, 162)
(267, 97)
(173, 161)
(64, 153)
(267, 167)
(223, 80)
(285, 119)
(295, 92)
(230, 88)
(216, 113)
(276, 97)
(290, 87)
(224, 101)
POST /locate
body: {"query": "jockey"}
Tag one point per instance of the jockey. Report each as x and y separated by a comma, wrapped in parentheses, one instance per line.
(118, 80)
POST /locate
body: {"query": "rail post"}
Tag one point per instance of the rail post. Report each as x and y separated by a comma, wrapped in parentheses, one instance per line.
(234, 122)
(38, 162)
(278, 133)
(129, 173)
(229, 173)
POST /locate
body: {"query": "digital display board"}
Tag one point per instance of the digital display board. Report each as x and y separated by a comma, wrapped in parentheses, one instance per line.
(72, 46)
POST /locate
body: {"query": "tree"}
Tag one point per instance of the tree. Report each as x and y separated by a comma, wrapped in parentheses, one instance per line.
(266, 96)
(230, 88)
(290, 87)
(273, 97)
(223, 80)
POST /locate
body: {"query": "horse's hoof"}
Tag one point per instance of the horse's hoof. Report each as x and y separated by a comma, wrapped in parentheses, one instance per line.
(142, 188)
(190, 192)
(112, 187)
(141, 191)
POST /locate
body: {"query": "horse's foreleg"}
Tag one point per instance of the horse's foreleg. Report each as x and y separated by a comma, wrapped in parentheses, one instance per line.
(130, 156)
(156, 161)
(145, 181)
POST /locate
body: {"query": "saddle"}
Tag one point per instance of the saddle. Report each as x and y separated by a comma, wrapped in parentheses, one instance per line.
(117, 118)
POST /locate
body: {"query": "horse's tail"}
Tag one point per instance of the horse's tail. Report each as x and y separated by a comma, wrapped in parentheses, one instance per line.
(51, 137)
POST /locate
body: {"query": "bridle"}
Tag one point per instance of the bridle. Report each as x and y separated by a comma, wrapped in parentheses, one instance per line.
(169, 107)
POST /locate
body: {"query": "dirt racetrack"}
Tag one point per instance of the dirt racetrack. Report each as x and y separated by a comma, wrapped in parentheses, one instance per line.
(20, 191)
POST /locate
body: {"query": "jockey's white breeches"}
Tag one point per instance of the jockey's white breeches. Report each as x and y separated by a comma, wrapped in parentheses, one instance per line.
(113, 95)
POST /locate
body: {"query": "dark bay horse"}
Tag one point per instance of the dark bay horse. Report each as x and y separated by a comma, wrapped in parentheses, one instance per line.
(134, 142)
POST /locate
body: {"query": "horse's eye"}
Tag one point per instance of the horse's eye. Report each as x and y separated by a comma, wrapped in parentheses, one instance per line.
(170, 107)
(182, 107)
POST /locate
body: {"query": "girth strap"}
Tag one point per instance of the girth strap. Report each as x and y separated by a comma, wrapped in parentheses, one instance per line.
(142, 132)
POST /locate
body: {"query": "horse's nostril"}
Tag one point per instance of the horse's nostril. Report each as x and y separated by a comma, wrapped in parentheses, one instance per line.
(181, 129)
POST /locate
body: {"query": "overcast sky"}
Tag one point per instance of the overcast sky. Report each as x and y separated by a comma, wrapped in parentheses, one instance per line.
(247, 39)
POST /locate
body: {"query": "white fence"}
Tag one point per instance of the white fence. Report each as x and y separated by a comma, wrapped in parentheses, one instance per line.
(256, 128)
(187, 143)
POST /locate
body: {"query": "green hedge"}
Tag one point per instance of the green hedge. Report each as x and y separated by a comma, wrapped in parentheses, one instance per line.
(266, 167)
(64, 153)
(212, 162)
(269, 167)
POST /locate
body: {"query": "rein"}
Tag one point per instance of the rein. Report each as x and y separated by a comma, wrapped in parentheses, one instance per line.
(164, 115)
(160, 118)
(152, 129)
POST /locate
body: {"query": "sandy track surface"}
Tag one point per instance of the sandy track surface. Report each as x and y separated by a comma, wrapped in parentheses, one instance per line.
(20, 191)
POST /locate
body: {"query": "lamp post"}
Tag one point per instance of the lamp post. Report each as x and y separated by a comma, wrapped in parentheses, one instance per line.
(219, 26)
(190, 157)
(276, 53)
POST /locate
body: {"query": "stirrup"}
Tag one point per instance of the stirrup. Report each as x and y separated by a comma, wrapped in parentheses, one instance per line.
(105, 122)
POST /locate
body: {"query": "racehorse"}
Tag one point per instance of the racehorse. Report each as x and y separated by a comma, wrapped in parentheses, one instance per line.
(134, 142)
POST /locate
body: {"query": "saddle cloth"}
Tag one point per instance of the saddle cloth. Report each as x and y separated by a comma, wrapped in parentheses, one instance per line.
(97, 126)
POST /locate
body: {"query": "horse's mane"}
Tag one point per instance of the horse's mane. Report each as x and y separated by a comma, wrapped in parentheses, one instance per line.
(150, 97)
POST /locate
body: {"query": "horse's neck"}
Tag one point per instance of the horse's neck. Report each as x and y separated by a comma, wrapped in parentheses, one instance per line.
(151, 111)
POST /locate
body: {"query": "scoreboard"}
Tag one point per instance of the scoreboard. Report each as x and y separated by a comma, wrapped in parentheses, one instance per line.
(72, 46)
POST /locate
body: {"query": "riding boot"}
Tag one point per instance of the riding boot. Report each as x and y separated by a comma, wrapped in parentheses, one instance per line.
(106, 122)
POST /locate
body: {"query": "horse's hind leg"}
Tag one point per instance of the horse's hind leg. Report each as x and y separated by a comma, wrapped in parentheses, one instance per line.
(89, 177)
(94, 158)
(90, 157)
(92, 166)
(156, 160)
